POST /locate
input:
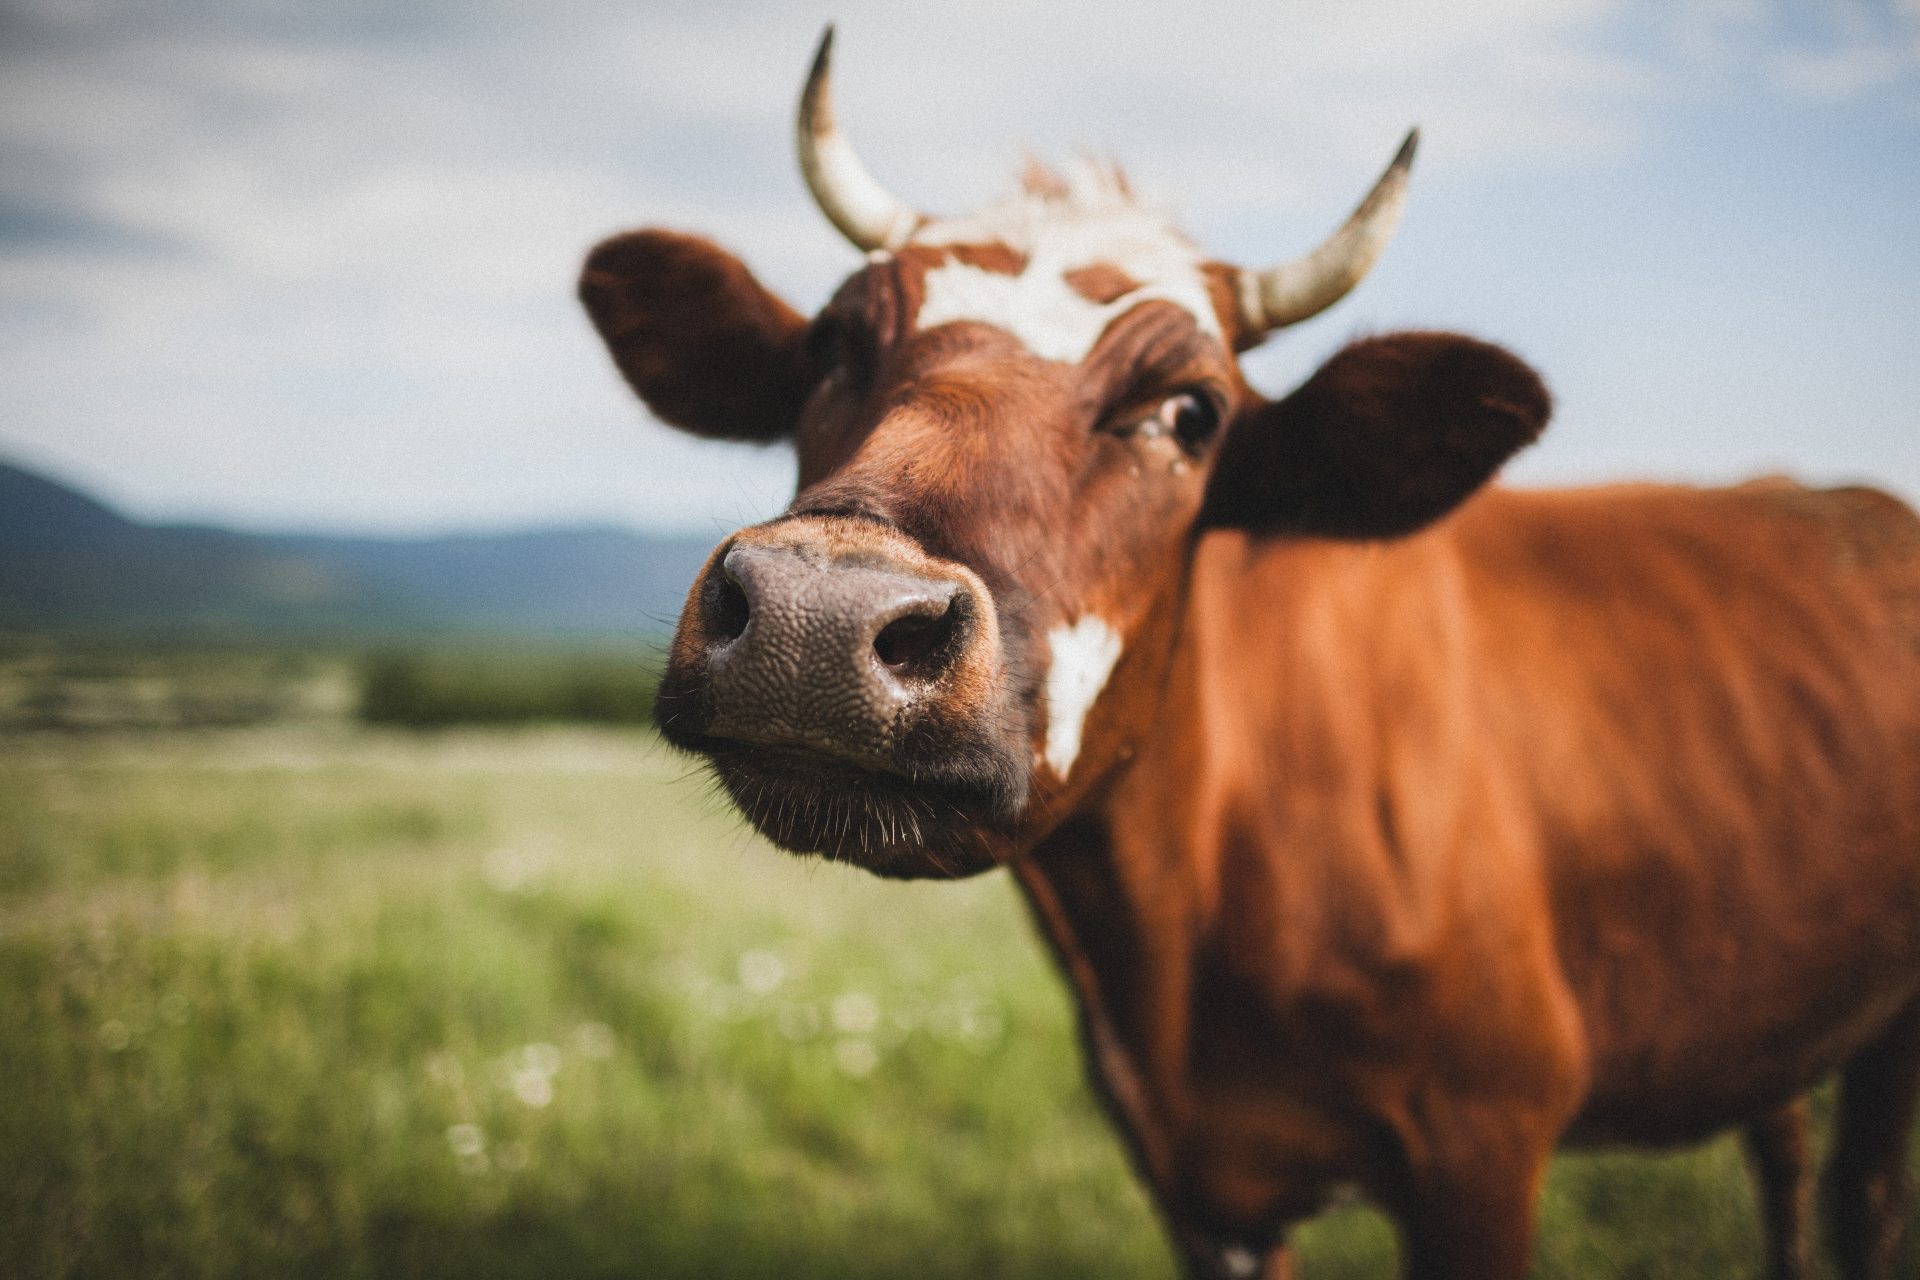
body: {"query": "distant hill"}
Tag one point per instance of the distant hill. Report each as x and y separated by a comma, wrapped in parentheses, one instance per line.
(69, 563)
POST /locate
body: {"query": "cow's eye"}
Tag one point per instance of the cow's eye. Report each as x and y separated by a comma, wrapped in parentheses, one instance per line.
(1189, 417)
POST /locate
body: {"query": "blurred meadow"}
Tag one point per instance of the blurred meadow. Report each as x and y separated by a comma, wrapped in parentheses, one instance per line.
(285, 993)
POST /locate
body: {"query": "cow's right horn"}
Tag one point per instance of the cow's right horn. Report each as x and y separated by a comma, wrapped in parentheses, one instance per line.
(863, 209)
(1308, 285)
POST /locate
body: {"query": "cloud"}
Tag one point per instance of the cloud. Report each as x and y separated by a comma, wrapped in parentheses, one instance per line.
(1855, 49)
(1842, 73)
(1823, 50)
(311, 263)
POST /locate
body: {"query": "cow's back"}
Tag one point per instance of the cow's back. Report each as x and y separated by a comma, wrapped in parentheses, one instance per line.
(1709, 703)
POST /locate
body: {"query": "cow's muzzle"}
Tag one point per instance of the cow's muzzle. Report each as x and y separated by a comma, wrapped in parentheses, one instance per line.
(811, 652)
(850, 692)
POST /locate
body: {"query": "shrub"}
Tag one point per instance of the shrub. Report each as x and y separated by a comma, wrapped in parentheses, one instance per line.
(430, 690)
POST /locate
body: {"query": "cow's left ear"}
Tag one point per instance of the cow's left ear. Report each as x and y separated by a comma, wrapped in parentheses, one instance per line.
(707, 346)
(1388, 436)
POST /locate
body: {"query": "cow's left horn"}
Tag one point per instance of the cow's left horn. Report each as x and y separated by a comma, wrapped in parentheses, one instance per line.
(1306, 286)
(863, 209)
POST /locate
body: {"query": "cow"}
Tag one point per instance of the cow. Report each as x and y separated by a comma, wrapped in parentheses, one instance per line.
(1391, 828)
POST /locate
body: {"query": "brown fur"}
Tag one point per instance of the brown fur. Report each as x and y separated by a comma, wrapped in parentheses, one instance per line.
(1419, 828)
(1100, 282)
(995, 257)
(1550, 822)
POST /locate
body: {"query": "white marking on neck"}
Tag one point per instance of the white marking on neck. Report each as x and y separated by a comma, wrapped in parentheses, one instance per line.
(1038, 306)
(1083, 658)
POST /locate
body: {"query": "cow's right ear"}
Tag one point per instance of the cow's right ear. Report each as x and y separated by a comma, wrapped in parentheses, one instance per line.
(1388, 436)
(703, 342)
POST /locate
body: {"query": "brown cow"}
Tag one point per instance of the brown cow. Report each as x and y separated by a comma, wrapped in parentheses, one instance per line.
(1391, 830)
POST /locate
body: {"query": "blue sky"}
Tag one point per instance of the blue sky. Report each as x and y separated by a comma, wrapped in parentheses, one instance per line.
(310, 264)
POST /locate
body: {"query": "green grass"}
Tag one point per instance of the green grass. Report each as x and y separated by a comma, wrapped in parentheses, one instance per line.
(331, 1002)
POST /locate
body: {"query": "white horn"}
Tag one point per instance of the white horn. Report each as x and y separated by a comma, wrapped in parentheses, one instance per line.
(1292, 291)
(863, 210)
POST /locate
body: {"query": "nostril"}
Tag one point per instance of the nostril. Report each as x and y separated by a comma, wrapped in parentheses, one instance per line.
(910, 644)
(728, 611)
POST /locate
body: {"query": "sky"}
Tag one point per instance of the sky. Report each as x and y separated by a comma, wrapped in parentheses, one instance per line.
(309, 264)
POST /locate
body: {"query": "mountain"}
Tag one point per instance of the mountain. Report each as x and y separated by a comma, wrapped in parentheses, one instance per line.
(69, 563)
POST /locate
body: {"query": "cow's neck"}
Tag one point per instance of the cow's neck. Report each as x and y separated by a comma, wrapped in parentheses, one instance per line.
(1252, 797)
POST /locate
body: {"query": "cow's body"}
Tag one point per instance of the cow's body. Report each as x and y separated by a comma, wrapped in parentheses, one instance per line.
(1593, 813)
(1391, 831)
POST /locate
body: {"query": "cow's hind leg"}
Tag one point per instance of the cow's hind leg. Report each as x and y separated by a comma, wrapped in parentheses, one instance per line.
(1867, 1180)
(1778, 1148)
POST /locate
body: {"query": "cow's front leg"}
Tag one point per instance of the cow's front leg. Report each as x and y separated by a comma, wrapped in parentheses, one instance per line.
(1481, 1227)
(1778, 1146)
(1469, 1213)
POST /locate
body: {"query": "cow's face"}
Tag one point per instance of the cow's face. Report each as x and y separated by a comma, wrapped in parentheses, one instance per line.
(1009, 429)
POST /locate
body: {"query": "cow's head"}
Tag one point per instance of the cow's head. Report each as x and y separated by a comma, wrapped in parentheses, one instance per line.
(1011, 428)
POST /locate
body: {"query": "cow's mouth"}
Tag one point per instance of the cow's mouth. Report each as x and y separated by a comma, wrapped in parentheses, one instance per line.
(943, 821)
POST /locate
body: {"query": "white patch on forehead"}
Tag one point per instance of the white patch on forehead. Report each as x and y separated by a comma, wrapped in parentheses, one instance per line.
(1057, 235)
(1083, 658)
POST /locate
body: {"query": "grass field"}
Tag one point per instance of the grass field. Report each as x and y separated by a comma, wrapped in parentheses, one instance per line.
(322, 1001)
